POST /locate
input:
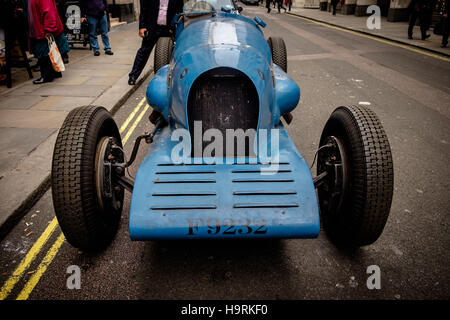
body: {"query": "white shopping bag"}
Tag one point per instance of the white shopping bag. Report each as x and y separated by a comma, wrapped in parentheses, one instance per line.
(55, 56)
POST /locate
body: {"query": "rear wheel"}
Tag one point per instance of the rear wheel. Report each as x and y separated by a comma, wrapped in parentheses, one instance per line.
(279, 52)
(87, 200)
(355, 198)
(163, 52)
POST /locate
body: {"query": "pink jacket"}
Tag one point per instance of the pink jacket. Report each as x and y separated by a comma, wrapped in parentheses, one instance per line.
(43, 17)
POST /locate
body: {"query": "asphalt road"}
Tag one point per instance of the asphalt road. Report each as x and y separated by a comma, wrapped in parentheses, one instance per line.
(410, 93)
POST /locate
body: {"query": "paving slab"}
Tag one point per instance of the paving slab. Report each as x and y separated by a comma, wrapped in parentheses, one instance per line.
(75, 90)
(20, 143)
(19, 102)
(31, 119)
(61, 103)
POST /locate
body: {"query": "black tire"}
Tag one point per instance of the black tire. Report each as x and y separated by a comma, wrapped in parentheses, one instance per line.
(363, 210)
(163, 53)
(86, 224)
(279, 52)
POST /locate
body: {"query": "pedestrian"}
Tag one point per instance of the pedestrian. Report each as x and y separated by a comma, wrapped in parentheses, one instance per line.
(419, 9)
(44, 23)
(280, 5)
(268, 2)
(95, 12)
(288, 3)
(445, 24)
(334, 4)
(154, 22)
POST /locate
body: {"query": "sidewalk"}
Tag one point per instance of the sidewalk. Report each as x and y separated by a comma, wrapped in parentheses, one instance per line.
(396, 31)
(30, 116)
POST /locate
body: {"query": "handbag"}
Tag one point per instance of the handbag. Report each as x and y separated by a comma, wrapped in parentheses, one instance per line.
(55, 56)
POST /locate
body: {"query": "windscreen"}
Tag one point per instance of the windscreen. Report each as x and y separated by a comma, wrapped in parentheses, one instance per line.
(205, 6)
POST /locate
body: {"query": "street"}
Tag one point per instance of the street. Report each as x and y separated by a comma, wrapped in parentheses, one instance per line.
(409, 89)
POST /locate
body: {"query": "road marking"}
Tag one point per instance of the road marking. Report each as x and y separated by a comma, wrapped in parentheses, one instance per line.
(131, 116)
(390, 42)
(26, 262)
(38, 245)
(138, 119)
(51, 253)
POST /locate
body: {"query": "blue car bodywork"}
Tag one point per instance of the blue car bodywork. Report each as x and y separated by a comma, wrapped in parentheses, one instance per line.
(196, 199)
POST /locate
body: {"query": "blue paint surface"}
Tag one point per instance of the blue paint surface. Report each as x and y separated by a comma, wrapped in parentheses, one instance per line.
(222, 200)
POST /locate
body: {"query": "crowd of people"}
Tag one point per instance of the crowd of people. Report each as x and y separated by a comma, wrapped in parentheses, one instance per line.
(422, 10)
(278, 3)
(36, 23)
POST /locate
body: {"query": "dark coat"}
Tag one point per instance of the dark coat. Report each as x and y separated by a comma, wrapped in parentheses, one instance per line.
(93, 8)
(150, 10)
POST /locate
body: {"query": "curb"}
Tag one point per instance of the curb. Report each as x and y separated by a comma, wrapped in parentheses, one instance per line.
(370, 34)
(34, 196)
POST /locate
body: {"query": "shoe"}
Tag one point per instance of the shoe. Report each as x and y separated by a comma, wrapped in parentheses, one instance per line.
(410, 37)
(426, 36)
(66, 60)
(109, 52)
(131, 81)
(57, 75)
(41, 80)
(444, 45)
(268, 10)
(96, 53)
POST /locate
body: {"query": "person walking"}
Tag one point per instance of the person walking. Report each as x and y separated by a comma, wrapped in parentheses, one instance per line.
(288, 3)
(268, 2)
(445, 25)
(44, 23)
(154, 22)
(419, 9)
(94, 11)
(280, 5)
(334, 4)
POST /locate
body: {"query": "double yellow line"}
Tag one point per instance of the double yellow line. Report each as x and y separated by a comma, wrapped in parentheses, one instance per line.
(18, 273)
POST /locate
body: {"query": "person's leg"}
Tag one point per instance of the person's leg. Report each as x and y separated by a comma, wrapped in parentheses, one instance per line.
(93, 33)
(47, 72)
(142, 54)
(445, 32)
(412, 22)
(334, 8)
(424, 24)
(63, 47)
(104, 32)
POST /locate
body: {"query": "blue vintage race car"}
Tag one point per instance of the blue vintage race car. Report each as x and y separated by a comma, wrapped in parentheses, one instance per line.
(220, 163)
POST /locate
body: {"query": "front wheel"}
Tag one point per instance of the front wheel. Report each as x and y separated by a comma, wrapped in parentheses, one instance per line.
(86, 196)
(278, 51)
(356, 196)
(163, 52)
